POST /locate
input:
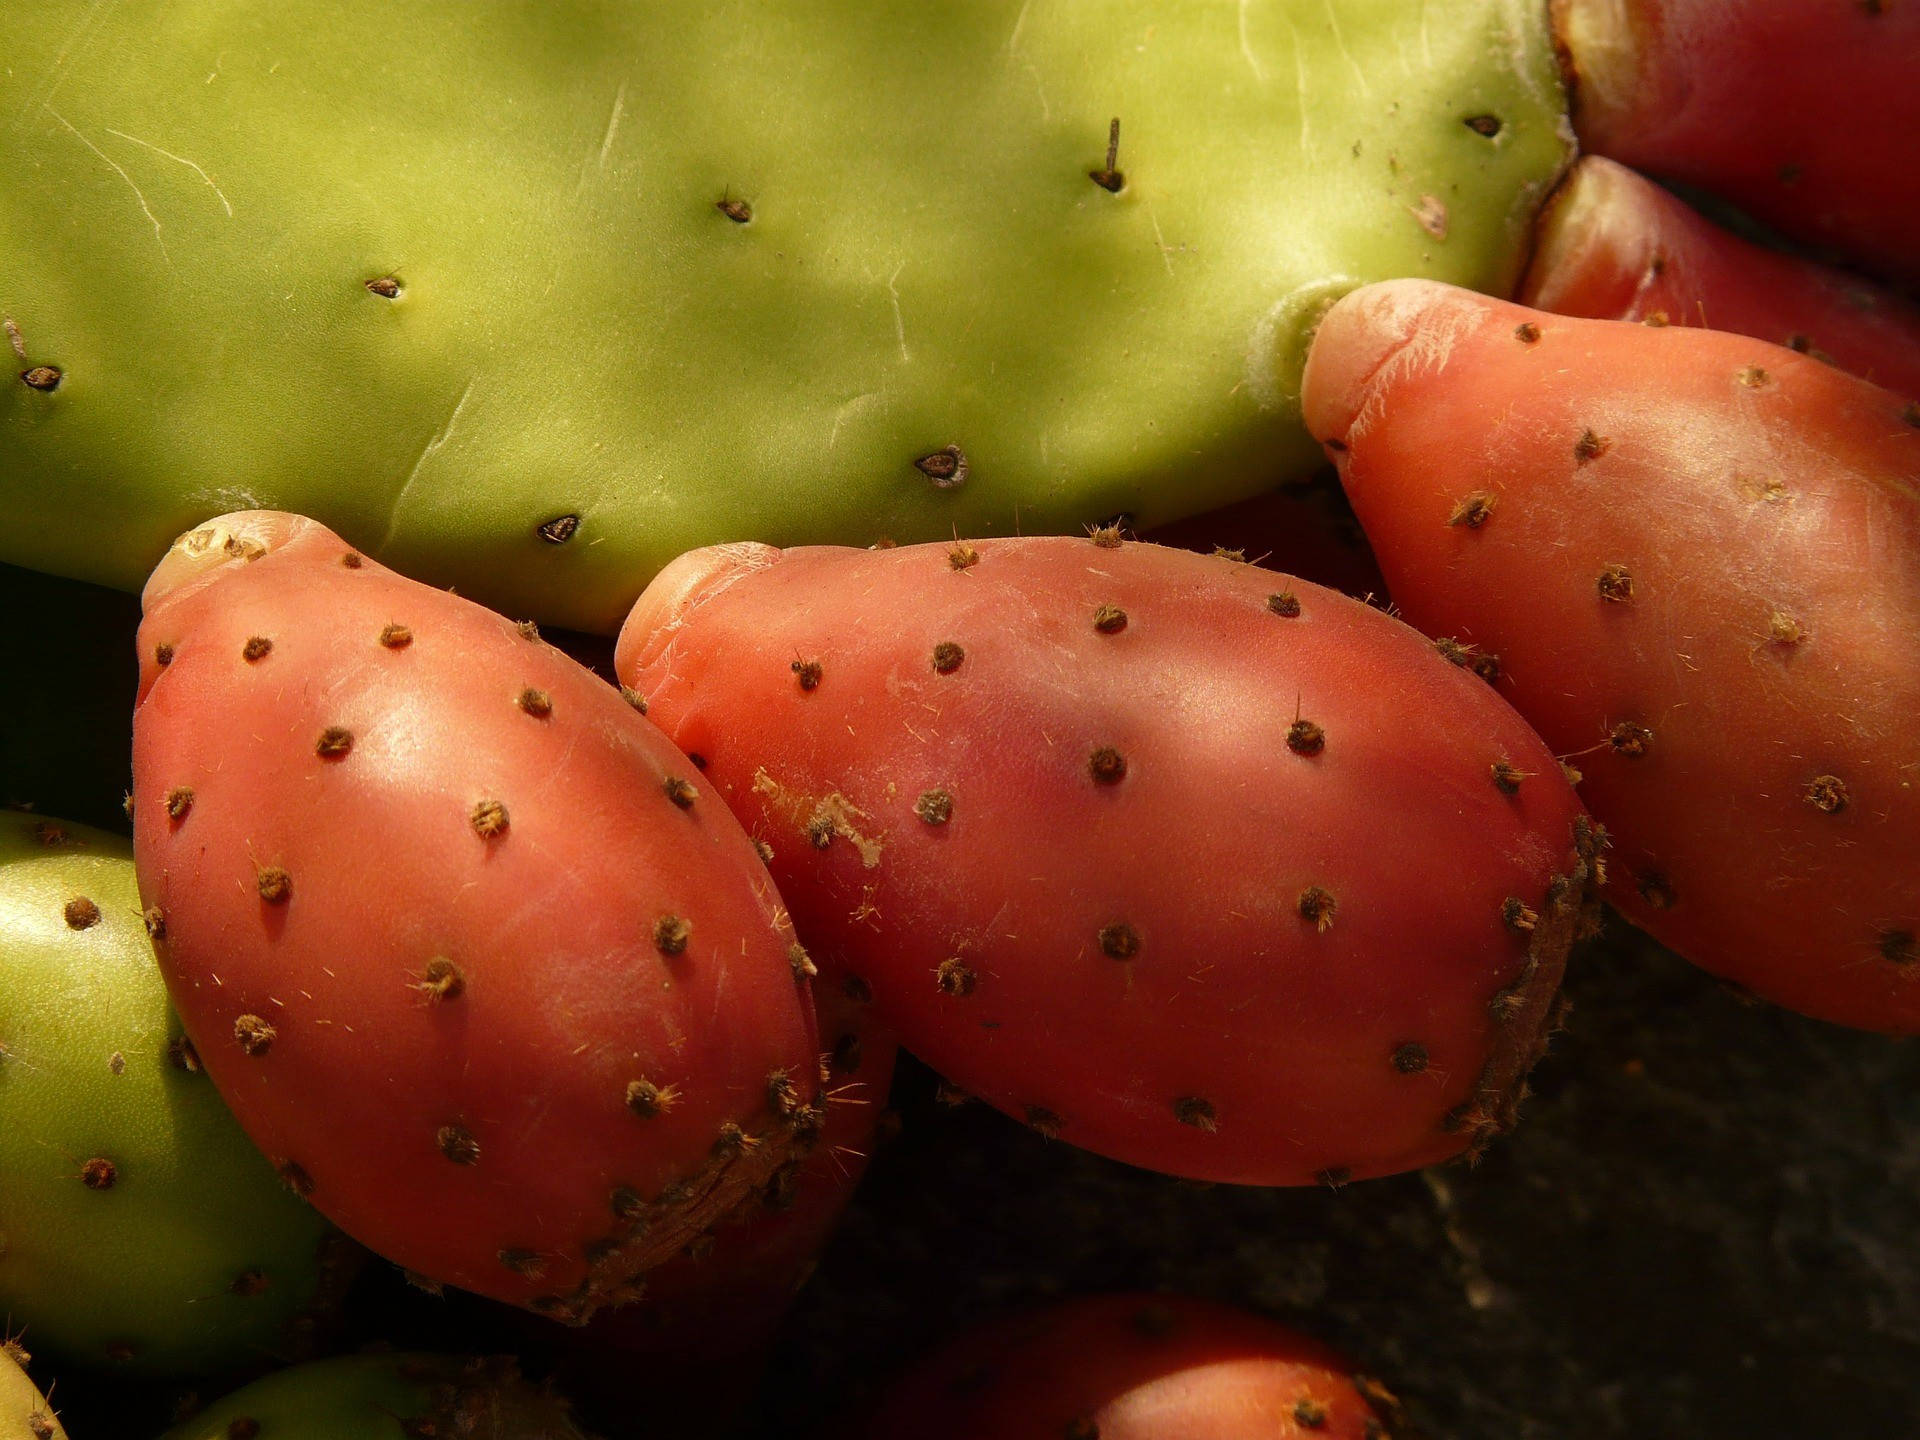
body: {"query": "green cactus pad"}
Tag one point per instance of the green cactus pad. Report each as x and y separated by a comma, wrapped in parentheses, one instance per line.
(139, 1228)
(24, 1411)
(384, 1397)
(528, 299)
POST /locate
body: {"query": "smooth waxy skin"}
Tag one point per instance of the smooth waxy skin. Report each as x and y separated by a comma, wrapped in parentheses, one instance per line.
(189, 224)
(1079, 866)
(139, 1229)
(379, 1397)
(24, 1411)
(1708, 540)
(1133, 1367)
(465, 950)
(1615, 246)
(1800, 111)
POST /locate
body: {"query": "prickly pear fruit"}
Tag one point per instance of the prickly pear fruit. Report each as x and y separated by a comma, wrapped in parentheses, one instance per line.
(1698, 556)
(1615, 246)
(1134, 1367)
(466, 945)
(378, 1397)
(649, 283)
(138, 1227)
(1197, 866)
(25, 1413)
(1801, 111)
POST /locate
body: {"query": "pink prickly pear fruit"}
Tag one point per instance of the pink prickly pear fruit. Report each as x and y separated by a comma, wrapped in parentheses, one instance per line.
(1698, 556)
(1197, 866)
(467, 947)
(685, 1351)
(1134, 1367)
(1614, 246)
(1304, 530)
(1800, 111)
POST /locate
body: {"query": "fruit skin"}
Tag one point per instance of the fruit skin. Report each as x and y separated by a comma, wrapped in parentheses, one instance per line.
(1615, 246)
(1800, 111)
(1697, 535)
(1133, 1367)
(578, 329)
(377, 1397)
(24, 1411)
(139, 1230)
(1082, 863)
(1305, 530)
(472, 959)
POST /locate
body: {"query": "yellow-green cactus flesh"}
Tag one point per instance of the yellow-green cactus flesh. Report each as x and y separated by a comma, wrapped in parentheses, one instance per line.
(25, 1413)
(140, 1231)
(529, 299)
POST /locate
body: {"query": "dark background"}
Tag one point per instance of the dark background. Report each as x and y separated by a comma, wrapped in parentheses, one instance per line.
(1707, 1225)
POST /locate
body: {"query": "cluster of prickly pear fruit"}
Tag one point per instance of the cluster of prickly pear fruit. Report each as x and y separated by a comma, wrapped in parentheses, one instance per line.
(583, 997)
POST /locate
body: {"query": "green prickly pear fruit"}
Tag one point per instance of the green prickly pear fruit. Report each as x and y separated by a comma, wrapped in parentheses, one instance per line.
(382, 1397)
(139, 1228)
(24, 1411)
(528, 300)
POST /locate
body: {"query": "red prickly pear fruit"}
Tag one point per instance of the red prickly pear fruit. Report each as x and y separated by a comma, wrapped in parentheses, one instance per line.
(1614, 246)
(1141, 846)
(685, 1351)
(453, 929)
(1304, 530)
(1799, 111)
(1703, 578)
(1134, 1367)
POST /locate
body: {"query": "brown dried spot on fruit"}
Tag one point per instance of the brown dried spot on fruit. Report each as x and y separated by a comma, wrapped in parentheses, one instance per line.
(946, 468)
(1783, 630)
(1507, 777)
(81, 913)
(488, 819)
(1109, 620)
(178, 802)
(1316, 906)
(1590, 446)
(1107, 536)
(1898, 947)
(626, 1204)
(1474, 510)
(1119, 941)
(732, 1141)
(249, 1283)
(820, 831)
(1828, 794)
(935, 807)
(646, 1099)
(671, 933)
(1517, 915)
(1527, 333)
(535, 702)
(1228, 552)
(274, 884)
(738, 211)
(40, 1425)
(800, 962)
(806, 674)
(1410, 1058)
(387, 287)
(334, 742)
(351, 560)
(963, 557)
(1752, 376)
(182, 1056)
(1615, 584)
(457, 1144)
(257, 648)
(1306, 738)
(955, 977)
(1656, 320)
(1196, 1112)
(1309, 1414)
(1046, 1121)
(1630, 739)
(254, 1035)
(99, 1173)
(1655, 889)
(1107, 766)
(163, 654)
(442, 980)
(1109, 177)
(396, 636)
(681, 792)
(634, 698)
(558, 530)
(43, 378)
(1285, 604)
(295, 1177)
(947, 657)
